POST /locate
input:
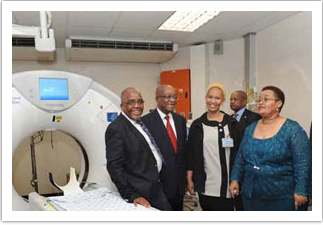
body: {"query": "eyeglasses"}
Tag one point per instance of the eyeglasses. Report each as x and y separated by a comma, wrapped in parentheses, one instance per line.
(168, 97)
(265, 100)
(132, 103)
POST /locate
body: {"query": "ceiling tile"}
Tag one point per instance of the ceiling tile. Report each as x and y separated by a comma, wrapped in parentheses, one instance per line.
(174, 36)
(27, 18)
(230, 21)
(93, 18)
(266, 21)
(143, 24)
(199, 38)
(88, 31)
(142, 20)
(130, 32)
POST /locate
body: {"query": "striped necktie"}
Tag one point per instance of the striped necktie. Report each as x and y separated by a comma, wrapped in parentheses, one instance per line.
(151, 138)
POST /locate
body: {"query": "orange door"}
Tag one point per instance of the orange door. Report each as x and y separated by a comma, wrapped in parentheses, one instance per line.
(180, 80)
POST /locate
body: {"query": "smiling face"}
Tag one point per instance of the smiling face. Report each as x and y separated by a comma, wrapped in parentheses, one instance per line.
(166, 98)
(132, 103)
(268, 104)
(214, 99)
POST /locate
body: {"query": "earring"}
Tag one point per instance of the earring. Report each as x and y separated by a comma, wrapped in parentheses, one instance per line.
(277, 109)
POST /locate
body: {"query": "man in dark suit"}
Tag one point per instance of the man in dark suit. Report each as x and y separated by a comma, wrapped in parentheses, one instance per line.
(245, 117)
(169, 131)
(133, 158)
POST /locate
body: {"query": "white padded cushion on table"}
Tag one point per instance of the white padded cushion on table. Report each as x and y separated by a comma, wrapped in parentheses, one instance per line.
(100, 199)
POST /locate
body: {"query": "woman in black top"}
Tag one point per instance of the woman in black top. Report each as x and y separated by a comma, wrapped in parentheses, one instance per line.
(212, 145)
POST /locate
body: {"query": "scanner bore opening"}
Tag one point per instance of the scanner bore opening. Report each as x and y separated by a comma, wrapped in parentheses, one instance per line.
(44, 152)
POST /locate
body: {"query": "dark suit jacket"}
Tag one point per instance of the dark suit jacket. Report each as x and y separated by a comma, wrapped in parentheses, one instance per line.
(132, 165)
(173, 174)
(247, 118)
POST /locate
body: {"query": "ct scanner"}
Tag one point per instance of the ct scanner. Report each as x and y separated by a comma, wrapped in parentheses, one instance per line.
(84, 107)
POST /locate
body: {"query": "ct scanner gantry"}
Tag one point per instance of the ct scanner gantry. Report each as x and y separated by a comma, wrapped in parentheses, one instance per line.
(84, 108)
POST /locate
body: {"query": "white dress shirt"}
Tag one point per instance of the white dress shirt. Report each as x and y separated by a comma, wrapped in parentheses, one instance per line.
(152, 147)
(171, 120)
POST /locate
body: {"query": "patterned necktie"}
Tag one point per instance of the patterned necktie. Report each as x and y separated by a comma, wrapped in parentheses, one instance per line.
(171, 134)
(151, 138)
(235, 116)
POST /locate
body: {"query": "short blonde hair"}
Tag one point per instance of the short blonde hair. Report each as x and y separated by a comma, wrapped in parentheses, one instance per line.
(216, 85)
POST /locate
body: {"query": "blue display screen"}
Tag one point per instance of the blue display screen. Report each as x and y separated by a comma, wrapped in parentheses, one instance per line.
(111, 116)
(53, 89)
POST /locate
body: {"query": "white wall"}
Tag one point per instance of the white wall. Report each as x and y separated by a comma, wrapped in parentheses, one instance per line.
(207, 68)
(180, 61)
(228, 69)
(284, 59)
(199, 78)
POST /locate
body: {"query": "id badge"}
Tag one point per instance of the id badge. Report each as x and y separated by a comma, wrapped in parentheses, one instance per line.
(227, 142)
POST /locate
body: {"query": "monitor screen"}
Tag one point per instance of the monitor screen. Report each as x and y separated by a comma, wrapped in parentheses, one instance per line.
(53, 89)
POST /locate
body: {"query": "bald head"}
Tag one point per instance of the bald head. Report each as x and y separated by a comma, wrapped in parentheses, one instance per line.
(132, 103)
(160, 90)
(166, 98)
(238, 100)
(127, 92)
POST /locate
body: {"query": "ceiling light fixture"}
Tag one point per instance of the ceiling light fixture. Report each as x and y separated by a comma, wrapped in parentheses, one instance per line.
(187, 21)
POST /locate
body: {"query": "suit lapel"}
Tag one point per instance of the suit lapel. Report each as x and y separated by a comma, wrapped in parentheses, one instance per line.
(179, 131)
(243, 118)
(160, 124)
(135, 131)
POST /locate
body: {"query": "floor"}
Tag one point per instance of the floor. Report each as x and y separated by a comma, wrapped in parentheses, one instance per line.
(191, 203)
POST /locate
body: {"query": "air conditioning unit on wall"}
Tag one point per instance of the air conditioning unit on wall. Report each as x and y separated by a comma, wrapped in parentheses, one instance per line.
(78, 49)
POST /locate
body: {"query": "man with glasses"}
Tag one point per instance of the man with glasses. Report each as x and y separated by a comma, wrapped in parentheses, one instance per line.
(134, 160)
(169, 131)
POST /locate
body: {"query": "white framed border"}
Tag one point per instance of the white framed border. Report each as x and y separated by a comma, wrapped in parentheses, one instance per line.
(314, 6)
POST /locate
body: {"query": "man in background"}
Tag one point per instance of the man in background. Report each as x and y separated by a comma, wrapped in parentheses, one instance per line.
(245, 117)
(133, 158)
(169, 131)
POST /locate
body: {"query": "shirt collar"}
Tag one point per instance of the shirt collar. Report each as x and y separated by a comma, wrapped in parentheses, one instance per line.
(241, 111)
(162, 115)
(130, 120)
